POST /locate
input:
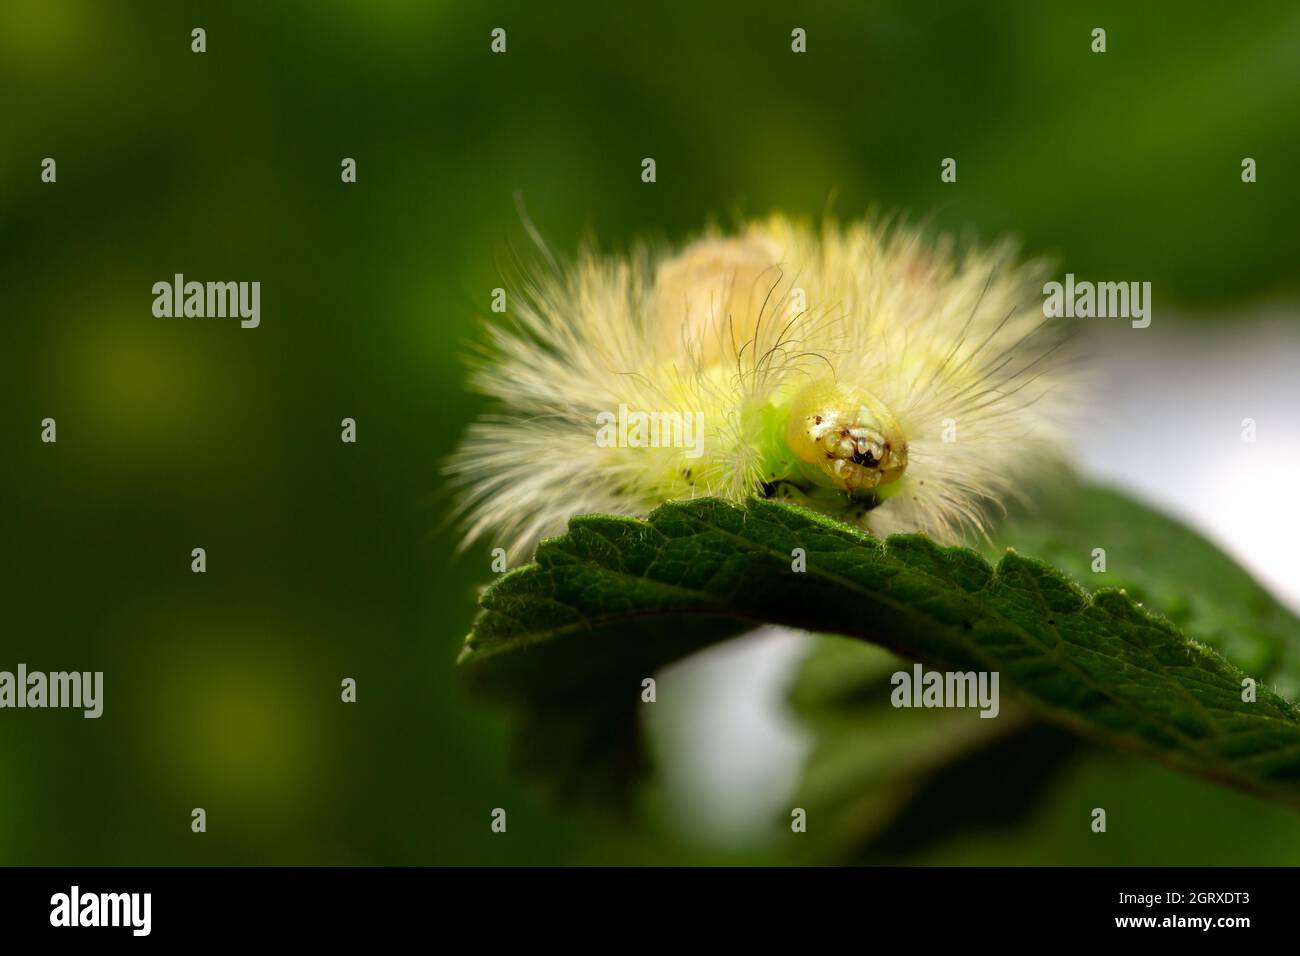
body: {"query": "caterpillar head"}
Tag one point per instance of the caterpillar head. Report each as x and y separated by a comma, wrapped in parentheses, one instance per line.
(845, 437)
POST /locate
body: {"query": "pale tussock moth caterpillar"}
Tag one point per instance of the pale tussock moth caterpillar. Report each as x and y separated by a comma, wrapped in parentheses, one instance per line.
(895, 382)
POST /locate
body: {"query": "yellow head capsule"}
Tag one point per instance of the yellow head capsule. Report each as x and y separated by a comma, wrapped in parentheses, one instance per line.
(849, 437)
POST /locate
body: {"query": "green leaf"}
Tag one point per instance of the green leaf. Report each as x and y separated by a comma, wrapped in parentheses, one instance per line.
(1164, 565)
(615, 599)
(873, 766)
(871, 769)
(880, 781)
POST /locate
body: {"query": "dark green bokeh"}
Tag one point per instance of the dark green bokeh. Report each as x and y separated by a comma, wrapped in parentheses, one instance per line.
(329, 560)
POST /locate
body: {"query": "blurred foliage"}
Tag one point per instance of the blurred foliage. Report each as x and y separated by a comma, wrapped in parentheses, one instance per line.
(328, 560)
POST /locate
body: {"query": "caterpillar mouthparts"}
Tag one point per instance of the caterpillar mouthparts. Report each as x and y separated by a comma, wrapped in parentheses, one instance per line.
(881, 377)
(848, 435)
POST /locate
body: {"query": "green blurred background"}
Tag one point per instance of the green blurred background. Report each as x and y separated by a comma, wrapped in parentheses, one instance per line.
(328, 560)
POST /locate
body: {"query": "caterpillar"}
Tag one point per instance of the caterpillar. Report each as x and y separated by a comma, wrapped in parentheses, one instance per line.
(891, 380)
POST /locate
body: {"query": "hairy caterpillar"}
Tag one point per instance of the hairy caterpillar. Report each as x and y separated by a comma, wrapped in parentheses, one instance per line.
(892, 382)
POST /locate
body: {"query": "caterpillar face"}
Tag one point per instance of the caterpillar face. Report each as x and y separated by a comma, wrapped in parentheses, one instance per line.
(849, 438)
